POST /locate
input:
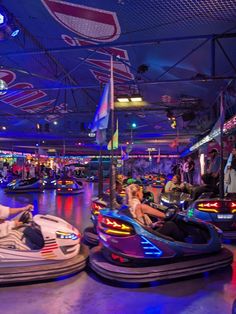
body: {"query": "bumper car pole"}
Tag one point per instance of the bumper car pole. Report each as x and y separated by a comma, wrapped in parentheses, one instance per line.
(222, 118)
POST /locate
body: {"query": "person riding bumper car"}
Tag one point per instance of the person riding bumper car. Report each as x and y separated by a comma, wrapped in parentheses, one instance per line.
(90, 233)
(133, 252)
(40, 248)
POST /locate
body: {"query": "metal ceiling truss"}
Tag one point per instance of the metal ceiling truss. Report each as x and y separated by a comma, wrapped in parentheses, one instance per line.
(200, 77)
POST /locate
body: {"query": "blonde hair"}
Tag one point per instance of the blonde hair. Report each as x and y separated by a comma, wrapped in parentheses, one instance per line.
(131, 193)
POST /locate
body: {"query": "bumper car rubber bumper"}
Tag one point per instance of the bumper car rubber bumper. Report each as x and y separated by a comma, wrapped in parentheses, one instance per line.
(90, 236)
(48, 271)
(166, 271)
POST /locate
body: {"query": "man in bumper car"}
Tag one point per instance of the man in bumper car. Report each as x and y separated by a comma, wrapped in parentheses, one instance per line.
(8, 228)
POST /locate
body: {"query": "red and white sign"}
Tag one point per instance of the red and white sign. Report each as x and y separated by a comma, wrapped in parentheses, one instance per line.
(87, 22)
(93, 25)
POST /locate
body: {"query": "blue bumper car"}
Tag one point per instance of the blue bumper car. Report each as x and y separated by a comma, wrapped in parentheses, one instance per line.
(220, 212)
(25, 186)
(131, 252)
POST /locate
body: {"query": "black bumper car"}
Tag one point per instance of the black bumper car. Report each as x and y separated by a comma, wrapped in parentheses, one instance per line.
(25, 186)
(175, 197)
(130, 252)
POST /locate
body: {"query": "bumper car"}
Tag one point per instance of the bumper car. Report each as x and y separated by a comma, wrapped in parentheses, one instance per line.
(175, 197)
(69, 186)
(131, 252)
(4, 181)
(159, 181)
(220, 212)
(49, 183)
(23, 186)
(45, 247)
(90, 233)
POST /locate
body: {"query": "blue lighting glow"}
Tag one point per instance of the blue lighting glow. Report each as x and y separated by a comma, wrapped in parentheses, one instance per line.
(149, 248)
(15, 33)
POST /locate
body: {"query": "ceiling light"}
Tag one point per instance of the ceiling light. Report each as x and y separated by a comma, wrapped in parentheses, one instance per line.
(55, 122)
(123, 99)
(136, 98)
(134, 125)
(4, 128)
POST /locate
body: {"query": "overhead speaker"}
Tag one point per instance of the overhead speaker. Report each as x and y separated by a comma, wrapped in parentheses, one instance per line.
(188, 116)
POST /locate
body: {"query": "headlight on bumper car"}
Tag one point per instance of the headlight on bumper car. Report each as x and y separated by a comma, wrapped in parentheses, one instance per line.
(67, 235)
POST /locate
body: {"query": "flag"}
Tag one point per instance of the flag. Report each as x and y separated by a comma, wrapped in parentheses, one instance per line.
(159, 156)
(124, 154)
(115, 138)
(215, 132)
(101, 119)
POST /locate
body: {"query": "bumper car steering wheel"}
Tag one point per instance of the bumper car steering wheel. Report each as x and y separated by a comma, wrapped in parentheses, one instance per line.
(171, 213)
(25, 217)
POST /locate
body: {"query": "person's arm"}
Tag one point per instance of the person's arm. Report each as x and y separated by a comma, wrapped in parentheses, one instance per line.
(146, 209)
(168, 187)
(7, 226)
(217, 172)
(14, 211)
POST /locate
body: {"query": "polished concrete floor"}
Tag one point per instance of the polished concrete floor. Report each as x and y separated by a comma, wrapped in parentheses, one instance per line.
(85, 293)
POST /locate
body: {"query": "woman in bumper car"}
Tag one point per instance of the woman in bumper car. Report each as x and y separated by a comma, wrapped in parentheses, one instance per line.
(141, 211)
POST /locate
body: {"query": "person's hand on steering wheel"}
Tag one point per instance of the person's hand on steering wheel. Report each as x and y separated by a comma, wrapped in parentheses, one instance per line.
(28, 207)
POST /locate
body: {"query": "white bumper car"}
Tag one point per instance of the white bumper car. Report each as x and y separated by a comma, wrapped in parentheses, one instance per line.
(45, 247)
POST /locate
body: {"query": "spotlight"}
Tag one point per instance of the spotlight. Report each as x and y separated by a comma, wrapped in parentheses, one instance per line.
(3, 17)
(134, 125)
(3, 87)
(142, 68)
(8, 26)
(170, 115)
(14, 32)
(38, 127)
(91, 134)
(4, 128)
(55, 122)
